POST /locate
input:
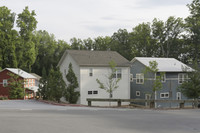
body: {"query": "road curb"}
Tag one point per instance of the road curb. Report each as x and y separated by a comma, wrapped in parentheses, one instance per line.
(61, 104)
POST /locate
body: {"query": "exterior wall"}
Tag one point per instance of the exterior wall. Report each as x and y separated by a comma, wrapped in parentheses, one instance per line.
(4, 91)
(64, 70)
(170, 86)
(29, 82)
(89, 83)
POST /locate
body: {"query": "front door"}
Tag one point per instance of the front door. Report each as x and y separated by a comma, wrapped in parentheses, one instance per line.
(147, 97)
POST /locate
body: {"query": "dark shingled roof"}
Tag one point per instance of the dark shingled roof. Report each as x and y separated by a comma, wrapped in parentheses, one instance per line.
(96, 58)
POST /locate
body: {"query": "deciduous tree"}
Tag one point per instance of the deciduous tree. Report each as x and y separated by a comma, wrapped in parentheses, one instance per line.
(27, 23)
(112, 82)
(15, 85)
(8, 38)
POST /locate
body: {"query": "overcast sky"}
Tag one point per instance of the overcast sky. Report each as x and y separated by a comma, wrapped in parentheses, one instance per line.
(92, 18)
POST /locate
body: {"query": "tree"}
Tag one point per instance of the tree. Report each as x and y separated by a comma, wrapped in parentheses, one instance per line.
(71, 95)
(49, 51)
(143, 43)
(8, 38)
(112, 83)
(16, 89)
(76, 44)
(152, 70)
(56, 85)
(193, 28)
(102, 43)
(89, 44)
(168, 35)
(121, 43)
(43, 85)
(191, 87)
(27, 23)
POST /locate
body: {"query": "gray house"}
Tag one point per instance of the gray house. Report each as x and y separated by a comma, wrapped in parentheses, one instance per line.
(174, 76)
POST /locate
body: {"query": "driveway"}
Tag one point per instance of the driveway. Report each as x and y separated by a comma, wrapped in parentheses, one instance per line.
(35, 117)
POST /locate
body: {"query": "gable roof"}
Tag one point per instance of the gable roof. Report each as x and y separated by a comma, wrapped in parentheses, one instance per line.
(20, 72)
(37, 76)
(95, 58)
(165, 64)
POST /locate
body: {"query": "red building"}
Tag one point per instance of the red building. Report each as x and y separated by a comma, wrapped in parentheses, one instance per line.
(28, 82)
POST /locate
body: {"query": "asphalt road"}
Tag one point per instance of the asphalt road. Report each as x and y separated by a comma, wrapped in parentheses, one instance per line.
(36, 117)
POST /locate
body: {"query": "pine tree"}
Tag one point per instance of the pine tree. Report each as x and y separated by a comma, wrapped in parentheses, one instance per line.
(71, 94)
(191, 87)
(56, 85)
(43, 85)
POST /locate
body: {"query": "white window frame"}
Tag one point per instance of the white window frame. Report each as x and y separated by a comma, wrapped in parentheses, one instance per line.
(5, 83)
(131, 77)
(118, 73)
(90, 72)
(139, 78)
(182, 77)
(137, 93)
(166, 95)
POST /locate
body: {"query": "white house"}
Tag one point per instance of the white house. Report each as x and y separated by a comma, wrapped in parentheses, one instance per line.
(91, 65)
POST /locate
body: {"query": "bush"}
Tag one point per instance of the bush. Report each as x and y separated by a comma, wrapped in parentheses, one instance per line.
(3, 98)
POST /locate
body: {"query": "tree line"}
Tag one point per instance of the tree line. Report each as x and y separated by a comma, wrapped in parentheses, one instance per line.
(34, 50)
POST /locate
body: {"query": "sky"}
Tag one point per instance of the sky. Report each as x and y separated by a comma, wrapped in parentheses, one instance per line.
(92, 18)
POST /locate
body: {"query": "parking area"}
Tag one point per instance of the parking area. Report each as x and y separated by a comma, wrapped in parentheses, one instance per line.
(18, 116)
(27, 104)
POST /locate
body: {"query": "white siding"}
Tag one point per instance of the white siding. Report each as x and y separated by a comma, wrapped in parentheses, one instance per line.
(88, 83)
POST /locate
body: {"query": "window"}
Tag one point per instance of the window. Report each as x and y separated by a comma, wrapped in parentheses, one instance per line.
(140, 78)
(137, 93)
(89, 92)
(182, 77)
(92, 92)
(26, 81)
(164, 95)
(131, 77)
(90, 72)
(5, 82)
(118, 73)
(95, 92)
(178, 96)
(163, 78)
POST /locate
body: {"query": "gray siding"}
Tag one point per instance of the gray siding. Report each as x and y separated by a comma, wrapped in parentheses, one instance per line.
(170, 86)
